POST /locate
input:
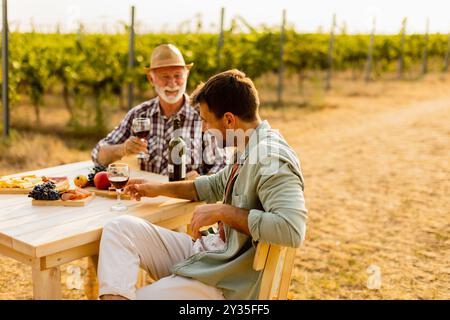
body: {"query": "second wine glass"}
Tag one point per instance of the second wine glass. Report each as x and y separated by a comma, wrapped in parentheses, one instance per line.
(118, 176)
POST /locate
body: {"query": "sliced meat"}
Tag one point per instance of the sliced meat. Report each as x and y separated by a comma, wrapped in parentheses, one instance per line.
(76, 194)
(66, 196)
(83, 191)
(57, 179)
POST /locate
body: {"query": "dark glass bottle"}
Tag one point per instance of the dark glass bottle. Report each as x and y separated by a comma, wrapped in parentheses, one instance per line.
(142, 163)
(177, 154)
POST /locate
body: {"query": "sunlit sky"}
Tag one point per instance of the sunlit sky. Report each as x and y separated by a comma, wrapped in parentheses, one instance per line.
(171, 15)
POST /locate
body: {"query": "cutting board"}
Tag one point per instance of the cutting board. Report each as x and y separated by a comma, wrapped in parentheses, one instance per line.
(15, 191)
(107, 193)
(61, 187)
(68, 203)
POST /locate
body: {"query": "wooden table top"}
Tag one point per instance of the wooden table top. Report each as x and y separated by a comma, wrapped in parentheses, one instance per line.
(40, 231)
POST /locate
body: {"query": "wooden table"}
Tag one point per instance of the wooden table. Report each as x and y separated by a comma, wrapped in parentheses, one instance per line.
(47, 237)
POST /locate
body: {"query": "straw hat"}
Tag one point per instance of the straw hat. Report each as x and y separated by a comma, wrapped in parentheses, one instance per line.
(167, 55)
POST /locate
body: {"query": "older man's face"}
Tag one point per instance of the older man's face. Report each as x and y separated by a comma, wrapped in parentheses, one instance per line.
(170, 82)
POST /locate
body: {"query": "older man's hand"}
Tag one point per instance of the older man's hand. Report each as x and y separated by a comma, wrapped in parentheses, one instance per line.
(134, 145)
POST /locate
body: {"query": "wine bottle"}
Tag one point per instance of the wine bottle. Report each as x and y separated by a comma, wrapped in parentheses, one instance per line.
(177, 154)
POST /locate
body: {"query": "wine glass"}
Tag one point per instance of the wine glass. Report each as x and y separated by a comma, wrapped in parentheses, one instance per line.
(141, 129)
(118, 175)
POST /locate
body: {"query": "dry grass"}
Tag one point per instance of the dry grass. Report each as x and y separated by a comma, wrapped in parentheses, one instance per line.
(377, 182)
(376, 164)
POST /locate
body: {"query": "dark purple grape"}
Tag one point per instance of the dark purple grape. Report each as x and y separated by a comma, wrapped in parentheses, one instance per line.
(45, 191)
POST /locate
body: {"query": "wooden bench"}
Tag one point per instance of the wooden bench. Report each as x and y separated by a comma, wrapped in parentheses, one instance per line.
(277, 263)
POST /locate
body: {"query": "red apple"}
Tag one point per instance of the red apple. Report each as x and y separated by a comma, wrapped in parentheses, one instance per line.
(101, 180)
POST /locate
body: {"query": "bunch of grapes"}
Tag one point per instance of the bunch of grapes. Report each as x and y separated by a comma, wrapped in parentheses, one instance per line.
(44, 191)
(94, 171)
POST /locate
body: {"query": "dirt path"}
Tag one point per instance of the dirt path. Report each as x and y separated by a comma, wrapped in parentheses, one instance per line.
(378, 191)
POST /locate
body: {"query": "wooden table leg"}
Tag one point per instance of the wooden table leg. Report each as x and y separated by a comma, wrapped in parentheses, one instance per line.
(189, 230)
(142, 279)
(46, 283)
(91, 283)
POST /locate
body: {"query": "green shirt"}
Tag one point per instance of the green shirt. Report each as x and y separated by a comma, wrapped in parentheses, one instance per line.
(269, 184)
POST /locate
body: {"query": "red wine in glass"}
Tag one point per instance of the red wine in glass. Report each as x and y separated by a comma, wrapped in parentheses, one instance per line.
(118, 175)
(118, 182)
(141, 129)
(142, 134)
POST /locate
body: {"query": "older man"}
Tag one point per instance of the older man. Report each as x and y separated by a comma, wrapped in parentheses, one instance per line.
(262, 200)
(168, 73)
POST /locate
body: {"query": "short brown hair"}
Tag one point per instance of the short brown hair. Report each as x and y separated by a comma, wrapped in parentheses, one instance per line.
(229, 91)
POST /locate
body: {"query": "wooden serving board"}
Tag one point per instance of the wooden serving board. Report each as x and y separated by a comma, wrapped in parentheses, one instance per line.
(68, 203)
(15, 191)
(61, 187)
(107, 193)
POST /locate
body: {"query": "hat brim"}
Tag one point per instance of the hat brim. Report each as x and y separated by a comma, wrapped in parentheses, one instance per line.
(188, 66)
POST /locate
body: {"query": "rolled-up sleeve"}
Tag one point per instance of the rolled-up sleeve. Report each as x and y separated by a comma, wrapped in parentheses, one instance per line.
(283, 220)
(211, 188)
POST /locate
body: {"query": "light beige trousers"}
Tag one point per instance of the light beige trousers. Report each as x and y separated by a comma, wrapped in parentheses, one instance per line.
(128, 243)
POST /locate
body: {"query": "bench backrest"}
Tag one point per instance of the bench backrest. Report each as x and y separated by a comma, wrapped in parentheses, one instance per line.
(277, 263)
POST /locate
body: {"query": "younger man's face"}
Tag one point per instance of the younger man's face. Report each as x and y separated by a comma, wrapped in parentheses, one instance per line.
(216, 126)
(209, 120)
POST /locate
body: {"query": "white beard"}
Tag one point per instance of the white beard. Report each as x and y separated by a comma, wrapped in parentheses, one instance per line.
(161, 91)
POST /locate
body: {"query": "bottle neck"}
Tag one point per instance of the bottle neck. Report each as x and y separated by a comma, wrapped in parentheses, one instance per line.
(176, 128)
